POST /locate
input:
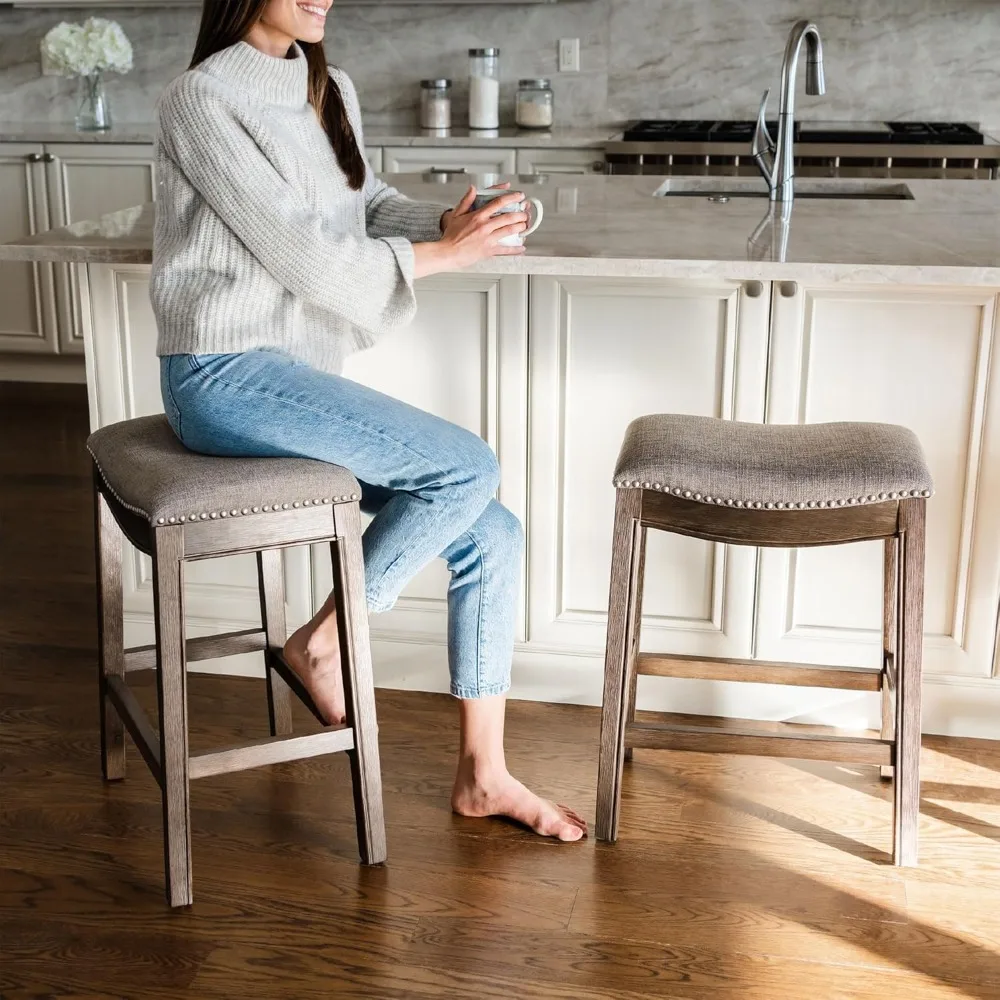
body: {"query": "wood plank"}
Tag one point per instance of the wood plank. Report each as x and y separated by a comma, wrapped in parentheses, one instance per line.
(110, 628)
(137, 722)
(273, 750)
(272, 530)
(622, 643)
(761, 672)
(707, 739)
(271, 584)
(208, 647)
(778, 528)
(171, 687)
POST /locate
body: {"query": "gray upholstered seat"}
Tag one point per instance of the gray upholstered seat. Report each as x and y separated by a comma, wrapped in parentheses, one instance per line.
(153, 475)
(772, 465)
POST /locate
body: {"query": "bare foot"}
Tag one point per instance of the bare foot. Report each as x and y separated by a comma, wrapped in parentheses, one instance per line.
(313, 653)
(500, 794)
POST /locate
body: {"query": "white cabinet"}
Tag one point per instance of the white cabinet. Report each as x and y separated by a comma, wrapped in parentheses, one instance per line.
(42, 187)
(928, 359)
(448, 159)
(86, 181)
(27, 300)
(560, 161)
(464, 359)
(374, 158)
(602, 352)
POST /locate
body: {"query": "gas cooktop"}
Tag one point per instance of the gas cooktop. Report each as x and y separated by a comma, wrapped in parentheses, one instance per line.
(705, 130)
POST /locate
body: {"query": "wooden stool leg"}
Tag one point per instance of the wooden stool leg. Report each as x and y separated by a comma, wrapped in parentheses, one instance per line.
(906, 798)
(111, 640)
(171, 690)
(890, 611)
(619, 662)
(633, 677)
(271, 580)
(359, 681)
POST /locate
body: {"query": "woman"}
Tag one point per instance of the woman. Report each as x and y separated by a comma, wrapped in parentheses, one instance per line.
(276, 254)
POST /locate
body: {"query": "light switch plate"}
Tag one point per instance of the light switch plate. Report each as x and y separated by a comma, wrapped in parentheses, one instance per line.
(569, 55)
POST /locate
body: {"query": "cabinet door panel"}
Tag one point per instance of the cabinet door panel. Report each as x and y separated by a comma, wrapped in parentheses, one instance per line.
(920, 358)
(86, 182)
(602, 353)
(27, 304)
(467, 340)
(419, 159)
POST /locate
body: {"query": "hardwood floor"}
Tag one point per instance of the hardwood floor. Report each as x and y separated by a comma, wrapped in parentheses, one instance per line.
(733, 879)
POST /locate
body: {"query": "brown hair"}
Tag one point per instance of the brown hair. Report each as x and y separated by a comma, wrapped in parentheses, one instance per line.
(226, 22)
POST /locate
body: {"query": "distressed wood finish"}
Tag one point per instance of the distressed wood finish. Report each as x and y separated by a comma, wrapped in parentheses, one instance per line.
(359, 681)
(633, 684)
(207, 647)
(624, 615)
(779, 528)
(761, 672)
(171, 686)
(271, 580)
(758, 743)
(274, 750)
(909, 664)
(899, 523)
(231, 536)
(141, 730)
(167, 753)
(110, 643)
(889, 611)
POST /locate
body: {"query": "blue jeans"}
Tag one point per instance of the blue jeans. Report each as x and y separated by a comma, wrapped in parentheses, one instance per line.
(429, 484)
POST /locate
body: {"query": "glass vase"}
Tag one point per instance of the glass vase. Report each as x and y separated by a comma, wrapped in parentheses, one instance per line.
(95, 110)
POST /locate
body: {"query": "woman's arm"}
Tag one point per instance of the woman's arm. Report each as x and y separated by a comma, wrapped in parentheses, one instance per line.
(366, 281)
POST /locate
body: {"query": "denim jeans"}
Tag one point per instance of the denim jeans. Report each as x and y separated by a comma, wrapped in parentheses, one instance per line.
(429, 484)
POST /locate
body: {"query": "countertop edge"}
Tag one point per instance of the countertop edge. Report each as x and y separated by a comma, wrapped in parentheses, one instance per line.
(617, 267)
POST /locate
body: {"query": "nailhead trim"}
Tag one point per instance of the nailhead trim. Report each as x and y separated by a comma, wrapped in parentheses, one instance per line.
(678, 491)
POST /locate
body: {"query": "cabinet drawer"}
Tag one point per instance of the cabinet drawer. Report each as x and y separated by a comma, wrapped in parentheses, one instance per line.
(448, 159)
(560, 161)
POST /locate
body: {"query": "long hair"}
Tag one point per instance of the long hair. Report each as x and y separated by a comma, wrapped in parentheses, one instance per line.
(226, 22)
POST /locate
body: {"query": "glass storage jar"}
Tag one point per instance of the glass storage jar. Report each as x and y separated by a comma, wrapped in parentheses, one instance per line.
(435, 104)
(484, 88)
(534, 104)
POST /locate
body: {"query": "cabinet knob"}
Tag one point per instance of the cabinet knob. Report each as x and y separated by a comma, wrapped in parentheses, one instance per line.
(788, 289)
(48, 158)
(754, 289)
(34, 157)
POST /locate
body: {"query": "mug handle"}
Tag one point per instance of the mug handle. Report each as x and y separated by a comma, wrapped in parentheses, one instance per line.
(537, 206)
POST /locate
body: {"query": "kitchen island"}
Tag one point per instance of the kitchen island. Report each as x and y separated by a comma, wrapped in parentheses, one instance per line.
(879, 303)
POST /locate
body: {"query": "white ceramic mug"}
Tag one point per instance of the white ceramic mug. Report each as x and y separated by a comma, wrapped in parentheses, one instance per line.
(483, 198)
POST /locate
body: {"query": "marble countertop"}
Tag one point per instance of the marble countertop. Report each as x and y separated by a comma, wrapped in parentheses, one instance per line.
(557, 138)
(947, 233)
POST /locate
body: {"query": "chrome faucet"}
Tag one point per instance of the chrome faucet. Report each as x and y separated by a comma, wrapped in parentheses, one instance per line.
(776, 161)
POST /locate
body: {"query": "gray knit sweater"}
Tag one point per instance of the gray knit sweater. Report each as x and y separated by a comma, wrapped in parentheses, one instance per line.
(258, 240)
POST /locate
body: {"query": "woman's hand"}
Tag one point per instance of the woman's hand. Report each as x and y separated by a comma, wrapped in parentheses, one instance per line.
(469, 236)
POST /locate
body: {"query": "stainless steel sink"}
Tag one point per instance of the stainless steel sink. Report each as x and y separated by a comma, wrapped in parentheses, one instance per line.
(721, 189)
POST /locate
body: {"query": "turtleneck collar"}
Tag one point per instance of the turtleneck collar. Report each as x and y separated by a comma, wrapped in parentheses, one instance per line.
(272, 80)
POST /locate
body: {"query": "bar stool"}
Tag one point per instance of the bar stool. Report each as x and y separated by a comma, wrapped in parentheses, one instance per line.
(177, 506)
(771, 485)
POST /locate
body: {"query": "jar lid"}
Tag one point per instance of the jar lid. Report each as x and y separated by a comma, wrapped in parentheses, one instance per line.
(435, 84)
(484, 52)
(539, 83)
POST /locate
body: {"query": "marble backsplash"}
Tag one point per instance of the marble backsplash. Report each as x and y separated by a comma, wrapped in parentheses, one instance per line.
(898, 59)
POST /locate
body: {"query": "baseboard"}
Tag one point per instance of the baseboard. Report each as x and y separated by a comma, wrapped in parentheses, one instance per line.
(952, 706)
(43, 368)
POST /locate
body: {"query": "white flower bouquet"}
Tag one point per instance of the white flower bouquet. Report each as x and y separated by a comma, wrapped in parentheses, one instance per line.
(88, 50)
(96, 46)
